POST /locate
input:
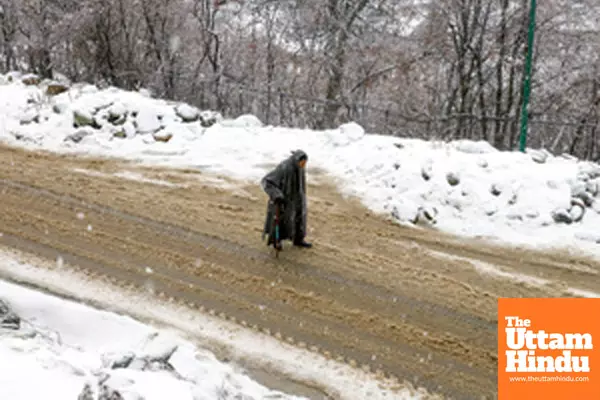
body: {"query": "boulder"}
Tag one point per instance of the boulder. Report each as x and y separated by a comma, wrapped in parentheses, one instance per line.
(490, 209)
(352, 131)
(209, 118)
(31, 80)
(29, 117)
(577, 210)
(574, 213)
(427, 171)
(562, 216)
(121, 361)
(84, 118)
(496, 190)
(532, 214)
(245, 121)
(78, 136)
(109, 387)
(117, 114)
(87, 393)
(592, 187)
(452, 178)
(120, 133)
(187, 113)
(589, 170)
(474, 147)
(426, 216)
(54, 89)
(585, 197)
(482, 162)
(514, 216)
(162, 136)
(154, 357)
(8, 318)
(569, 157)
(60, 108)
(539, 157)
(147, 122)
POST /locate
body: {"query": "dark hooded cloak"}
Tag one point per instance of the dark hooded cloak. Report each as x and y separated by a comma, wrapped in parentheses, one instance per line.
(287, 182)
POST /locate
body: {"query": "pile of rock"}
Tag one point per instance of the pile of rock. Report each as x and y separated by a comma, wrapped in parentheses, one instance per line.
(584, 191)
(111, 386)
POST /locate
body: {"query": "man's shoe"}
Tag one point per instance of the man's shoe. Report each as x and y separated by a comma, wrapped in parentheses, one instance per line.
(303, 244)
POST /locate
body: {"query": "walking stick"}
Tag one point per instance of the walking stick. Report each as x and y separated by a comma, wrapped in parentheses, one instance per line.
(276, 242)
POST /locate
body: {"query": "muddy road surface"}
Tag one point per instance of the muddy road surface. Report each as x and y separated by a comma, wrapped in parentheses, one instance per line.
(412, 303)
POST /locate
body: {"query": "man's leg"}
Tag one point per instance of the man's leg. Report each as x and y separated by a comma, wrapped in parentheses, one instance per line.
(300, 233)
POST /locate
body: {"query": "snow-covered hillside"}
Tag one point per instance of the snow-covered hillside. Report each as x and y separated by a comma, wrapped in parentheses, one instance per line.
(464, 187)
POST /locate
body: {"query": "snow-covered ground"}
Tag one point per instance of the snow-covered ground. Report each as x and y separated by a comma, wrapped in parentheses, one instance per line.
(467, 188)
(64, 346)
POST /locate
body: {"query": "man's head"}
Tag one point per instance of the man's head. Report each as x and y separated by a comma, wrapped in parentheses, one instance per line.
(301, 158)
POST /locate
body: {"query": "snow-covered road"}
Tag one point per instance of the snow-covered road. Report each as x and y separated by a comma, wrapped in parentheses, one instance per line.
(63, 346)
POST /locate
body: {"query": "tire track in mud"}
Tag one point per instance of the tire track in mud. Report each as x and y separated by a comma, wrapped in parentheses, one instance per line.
(351, 344)
(377, 296)
(233, 249)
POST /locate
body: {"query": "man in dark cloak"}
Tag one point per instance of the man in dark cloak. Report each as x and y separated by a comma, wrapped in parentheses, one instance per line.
(286, 187)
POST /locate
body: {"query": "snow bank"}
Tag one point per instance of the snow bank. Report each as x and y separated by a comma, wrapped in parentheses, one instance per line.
(65, 349)
(463, 187)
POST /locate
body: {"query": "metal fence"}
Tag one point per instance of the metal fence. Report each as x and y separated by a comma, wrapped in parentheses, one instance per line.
(573, 134)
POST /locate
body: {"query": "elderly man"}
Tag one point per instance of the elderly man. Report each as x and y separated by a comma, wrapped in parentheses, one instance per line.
(286, 188)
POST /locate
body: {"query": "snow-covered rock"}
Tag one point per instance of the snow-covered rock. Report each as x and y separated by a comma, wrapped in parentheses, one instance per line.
(453, 178)
(577, 210)
(352, 131)
(60, 107)
(471, 147)
(209, 118)
(147, 122)
(82, 117)
(538, 156)
(162, 136)
(56, 88)
(243, 121)
(345, 134)
(8, 318)
(117, 113)
(187, 113)
(79, 135)
(31, 80)
(29, 116)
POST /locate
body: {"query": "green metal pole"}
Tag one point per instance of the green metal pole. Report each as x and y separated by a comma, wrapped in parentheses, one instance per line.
(527, 81)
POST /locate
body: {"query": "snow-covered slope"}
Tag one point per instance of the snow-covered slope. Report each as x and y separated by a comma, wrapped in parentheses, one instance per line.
(464, 187)
(64, 350)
